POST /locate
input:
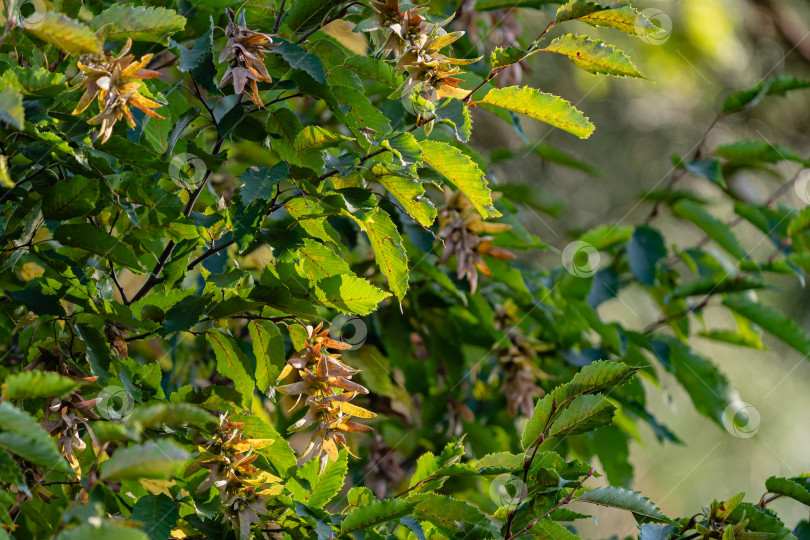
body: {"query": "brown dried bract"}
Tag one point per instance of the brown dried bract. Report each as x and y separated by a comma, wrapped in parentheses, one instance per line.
(327, 389)
(245, 52)
(460, 227)
(110, 80)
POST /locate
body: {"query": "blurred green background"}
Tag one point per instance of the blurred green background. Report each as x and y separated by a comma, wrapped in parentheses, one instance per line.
(715, 47)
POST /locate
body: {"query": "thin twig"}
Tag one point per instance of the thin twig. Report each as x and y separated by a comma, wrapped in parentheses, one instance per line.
(9, 21)
(565, 501)
(279, 16)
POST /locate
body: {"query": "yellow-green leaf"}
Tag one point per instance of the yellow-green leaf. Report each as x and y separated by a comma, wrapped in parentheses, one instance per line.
(594, 56)
(462, 171)
(388, 250)
(69, 35)
(410, 194)
(544, 107)
(349, 294)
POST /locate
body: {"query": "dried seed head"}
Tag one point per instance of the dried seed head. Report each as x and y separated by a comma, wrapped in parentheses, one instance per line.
(110, 80)
(245, 52)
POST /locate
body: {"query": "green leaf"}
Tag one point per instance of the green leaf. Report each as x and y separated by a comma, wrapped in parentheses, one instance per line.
(260, 181)
(592, 378)
(36, 384)
(748, 99)
(594, 56)
(462, 171)
(89, 238)
(552, 154)
(121, 21)
(544, 107)
(375, 513)
(714, 228)
(451, 515)
(325, 486)
(771, 320)
(108, 530)
(650, 531)
(800, 223)
(388, 250)
(306, 14)
(199, 60)
(795, 488)
(22, 436)
(153, 459)
(501, 57)
(752, 152)
(487, 5)
(69, 35)
(410, 195)
(233, 363)
(620, 16)
(360, 496)
(456, 114)
(158, 513)
(584, 413)
(706, 385)
(549, 529)
(644, 251)
(99, 354)
(11, 108)
(709, 169)
(316, 261)
(617, 497)
(268, 347)
(349, 294)
(298, 58)
(38, 302)
(34, 81)
(70, 198)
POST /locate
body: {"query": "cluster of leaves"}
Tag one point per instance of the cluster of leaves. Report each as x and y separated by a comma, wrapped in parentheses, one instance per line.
(163, 277)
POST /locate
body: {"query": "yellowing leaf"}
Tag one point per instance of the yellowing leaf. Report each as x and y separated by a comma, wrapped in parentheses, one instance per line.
(388, 250)
(349, 294)
(594, 56)
(544, 107)
(69, 35)
(257, 444)
(462, 171)
(409, 193)
(354, 410)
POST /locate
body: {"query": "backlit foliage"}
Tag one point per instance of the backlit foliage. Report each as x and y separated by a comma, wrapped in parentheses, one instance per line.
(289, 244)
